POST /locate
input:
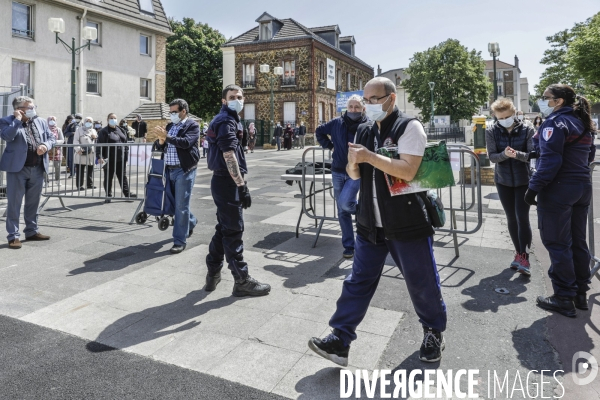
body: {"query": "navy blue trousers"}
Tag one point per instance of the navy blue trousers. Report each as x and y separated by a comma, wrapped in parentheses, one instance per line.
(227, 241)
(416, 263)
(562, 221)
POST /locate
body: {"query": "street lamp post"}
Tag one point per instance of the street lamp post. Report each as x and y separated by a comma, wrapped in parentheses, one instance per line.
(277, 71)
(57, 25)
(431, 86)
(494, 49)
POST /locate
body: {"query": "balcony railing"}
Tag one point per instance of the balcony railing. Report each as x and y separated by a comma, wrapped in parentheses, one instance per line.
(249, 82)
(289, 81)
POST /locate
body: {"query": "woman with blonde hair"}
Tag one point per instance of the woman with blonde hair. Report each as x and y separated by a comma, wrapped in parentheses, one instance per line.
(510, 145)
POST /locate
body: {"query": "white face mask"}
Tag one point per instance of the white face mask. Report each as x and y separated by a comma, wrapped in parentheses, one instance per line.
(507, 123)
(88, 125)
(375, 112)
(112, 122)
(519, 118)
(52, 123)
(30, 113)
(235, 105)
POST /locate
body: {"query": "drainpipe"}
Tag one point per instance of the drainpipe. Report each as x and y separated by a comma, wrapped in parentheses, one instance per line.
(82, 82)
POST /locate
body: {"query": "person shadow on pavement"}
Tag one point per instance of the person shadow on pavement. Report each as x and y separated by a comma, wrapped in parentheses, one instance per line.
(537, 344)
(156, 322)
(485, 297)
(123, 257)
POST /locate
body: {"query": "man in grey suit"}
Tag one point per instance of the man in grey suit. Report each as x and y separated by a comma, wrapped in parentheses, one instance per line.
(25, 160)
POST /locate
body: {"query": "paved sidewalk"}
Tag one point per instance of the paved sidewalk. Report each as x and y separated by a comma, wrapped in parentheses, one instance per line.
(108, 282)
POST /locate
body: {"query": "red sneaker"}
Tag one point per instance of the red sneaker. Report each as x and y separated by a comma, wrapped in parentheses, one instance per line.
(516, 262)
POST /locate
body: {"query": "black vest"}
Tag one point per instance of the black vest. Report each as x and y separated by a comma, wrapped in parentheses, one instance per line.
(511, 172)
(403, 217)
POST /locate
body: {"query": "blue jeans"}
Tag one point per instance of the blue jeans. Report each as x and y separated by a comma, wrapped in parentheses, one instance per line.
(227, 242)
(181, 185)
(27, 182)
(345, 190)
(418, 267)
(278, 140)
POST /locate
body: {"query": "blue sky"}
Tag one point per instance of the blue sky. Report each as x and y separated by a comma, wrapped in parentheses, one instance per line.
(389, 33)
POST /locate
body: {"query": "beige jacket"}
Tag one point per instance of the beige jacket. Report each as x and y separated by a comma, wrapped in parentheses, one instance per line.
(85, 138)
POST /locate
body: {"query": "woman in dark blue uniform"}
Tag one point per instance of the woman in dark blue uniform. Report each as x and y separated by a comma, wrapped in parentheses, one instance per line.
(563, 188)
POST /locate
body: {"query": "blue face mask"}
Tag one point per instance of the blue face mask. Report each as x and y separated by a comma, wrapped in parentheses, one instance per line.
(235, 105)
(175, 118)
(112, 122)
(544, 107)
(88, 125)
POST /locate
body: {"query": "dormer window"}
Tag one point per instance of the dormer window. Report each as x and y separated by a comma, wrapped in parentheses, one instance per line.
(146, 6)
(266, 31)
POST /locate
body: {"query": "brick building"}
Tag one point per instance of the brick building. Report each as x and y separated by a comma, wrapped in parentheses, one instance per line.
(510, 84)
(317, 63)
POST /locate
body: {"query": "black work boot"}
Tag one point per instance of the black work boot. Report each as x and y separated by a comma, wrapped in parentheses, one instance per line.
(250, 287)
(331, 347)
(432, 346)
(560, 304)
(580, 301)
(212, 281)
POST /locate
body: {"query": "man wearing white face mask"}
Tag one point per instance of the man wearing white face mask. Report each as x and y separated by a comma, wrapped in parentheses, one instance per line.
(227, 160)
(386, 224)
(521, 118)
(25, 160)
(179, 144)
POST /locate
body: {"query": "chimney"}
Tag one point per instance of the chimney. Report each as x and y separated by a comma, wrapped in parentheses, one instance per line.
(378, 70)
(516, 61)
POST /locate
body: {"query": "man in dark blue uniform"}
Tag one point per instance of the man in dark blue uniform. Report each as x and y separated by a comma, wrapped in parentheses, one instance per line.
(227, 161)
(563, 187)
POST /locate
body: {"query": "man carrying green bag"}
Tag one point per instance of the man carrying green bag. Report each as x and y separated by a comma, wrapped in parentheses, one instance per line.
(386, 224)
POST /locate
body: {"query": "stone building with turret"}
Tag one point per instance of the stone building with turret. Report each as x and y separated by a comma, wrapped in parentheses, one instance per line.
(317, 63)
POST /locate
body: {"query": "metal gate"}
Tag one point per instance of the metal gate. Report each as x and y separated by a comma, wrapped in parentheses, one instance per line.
(263, 131)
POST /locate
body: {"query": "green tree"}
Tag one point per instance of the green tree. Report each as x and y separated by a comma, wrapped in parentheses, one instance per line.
(558, 69)
(460, 85)
(583, 54)
(569, 66)
(195, 66)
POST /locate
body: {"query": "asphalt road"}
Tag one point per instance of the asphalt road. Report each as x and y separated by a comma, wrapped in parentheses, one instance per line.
(39, 363)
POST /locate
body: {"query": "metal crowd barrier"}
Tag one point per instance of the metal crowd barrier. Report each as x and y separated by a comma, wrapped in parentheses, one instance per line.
(313, 184)
(76, 185)
(595, 262)
(469, 194)
(318, 202)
